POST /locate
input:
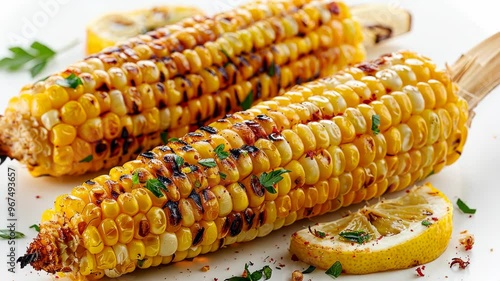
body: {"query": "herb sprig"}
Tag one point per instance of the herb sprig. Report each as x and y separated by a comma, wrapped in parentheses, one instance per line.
(268, 180)
(464, 208)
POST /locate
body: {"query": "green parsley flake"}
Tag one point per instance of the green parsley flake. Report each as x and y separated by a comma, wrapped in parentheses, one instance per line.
(36, 227)
(219, 151)
(376, 124)
(335, 270)
(247, 102)
(155, 186)
(268, 180)
(464, 208)
(72, 81)
(87, 159)
(209, 162)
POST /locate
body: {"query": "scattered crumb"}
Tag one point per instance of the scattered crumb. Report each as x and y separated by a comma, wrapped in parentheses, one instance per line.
(297, 276)
(466, 240)
(446, 276)
(295, 258)
(491, 250)
(205, 268)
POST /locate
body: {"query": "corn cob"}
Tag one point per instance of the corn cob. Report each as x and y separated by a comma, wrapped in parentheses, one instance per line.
(371, 129)
(106, 109)
(110, 29)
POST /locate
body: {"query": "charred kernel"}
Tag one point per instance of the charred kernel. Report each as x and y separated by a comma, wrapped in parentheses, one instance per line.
(148, 155)
(173, 213)
(208, 129)
(236, 224)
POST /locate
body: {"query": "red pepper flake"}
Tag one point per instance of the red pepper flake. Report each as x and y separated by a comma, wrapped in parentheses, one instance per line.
(295, 258)
(281, 265)
(467, 240)
(370, 69)
(434, 219)
(461, 263)
(38, 197)
(216, 279)
(310, 154)
(419, 271)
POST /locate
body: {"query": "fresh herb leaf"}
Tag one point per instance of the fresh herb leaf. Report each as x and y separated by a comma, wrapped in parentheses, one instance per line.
(317, 233)
(209, 162)
(140, 263)
(174, 140)
(135, 178)
(267, 272)
(376, 124)
(269, 180)
(272, 69)
(222, 175)
(179, 161)
(309, 269)
(87, 159)
(237, 278)
(36, 227)
(219, 151)
(197, 184)
(247, 102)
(35, 57)
(155, 186)
(7, 234)
(335, 270)
(426, 223)
(72, 81)
(164, 137)
(464, 208)
(256, 275)
(355, 236)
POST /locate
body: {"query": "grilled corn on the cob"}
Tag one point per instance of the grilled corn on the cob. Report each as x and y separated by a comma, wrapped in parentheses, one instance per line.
(106, 109)
(371, 129)
(110, 29)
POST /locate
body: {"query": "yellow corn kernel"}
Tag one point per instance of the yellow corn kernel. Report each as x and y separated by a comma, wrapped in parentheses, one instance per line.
(50, 119)
(390, 79)
(433, 125)
(87, 264)
(283, 206)
(311, 169)
(143, 200)
(347, 129)
(238, 196)
(106, 259)
(366, 148)
(168, 244)
(73, 113)
(357, 120)
(157, 220)
(439, 93)
(136, 249)
(359, 178)
(351, 98)
(187, 215)
(110, 208)
(407, 138)
(352, 156)
(128, 204)
(62, 134)
(152, 245)
(337, 101)
(125, 225)
(63, 156)
(91, 130)
(405, 105)
(295, 142)
(297, 173)
(346, 181)
(40, 104)
(184, 239)
(109, 232)
(69, 205)
(271, 152)
(92, 240)
(209, 234)
(394, 141)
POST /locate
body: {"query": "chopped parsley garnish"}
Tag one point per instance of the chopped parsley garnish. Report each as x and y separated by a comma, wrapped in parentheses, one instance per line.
(72, 81)
(265, 272)
(87, 159)
(376, 124)
(317, 233)
(36, 227)
(164, 137)
(135, 178)
(155, 186)
(209, 162)
(247, 102)
(8, 234)
(174, 140)
(335, 270)
(426, 223)
(222, 175)
(272, 69)
(268, 180)
(179, 161)
(37, 57)
(309, 269)
(355, 236)
(464, 208)
(219, 151)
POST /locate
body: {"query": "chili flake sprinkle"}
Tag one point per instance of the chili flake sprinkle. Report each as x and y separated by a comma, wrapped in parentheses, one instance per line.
(461, 263)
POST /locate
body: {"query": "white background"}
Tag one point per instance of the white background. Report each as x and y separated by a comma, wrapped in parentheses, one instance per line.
(442, 30)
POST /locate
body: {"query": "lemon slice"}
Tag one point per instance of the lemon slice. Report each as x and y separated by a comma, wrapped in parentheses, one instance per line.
(393, 234)
(112, 28)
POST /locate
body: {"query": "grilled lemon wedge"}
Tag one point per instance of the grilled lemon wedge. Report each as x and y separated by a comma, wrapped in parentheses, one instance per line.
(113, 28)
(393, 234)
